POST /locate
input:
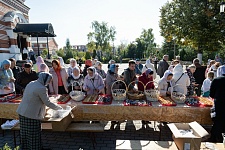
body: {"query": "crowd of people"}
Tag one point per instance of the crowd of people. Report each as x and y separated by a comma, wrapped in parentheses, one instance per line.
(37, 81)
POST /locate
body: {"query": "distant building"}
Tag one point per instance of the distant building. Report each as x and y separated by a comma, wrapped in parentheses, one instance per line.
(80, 48)
(42, 41)
(15, 29)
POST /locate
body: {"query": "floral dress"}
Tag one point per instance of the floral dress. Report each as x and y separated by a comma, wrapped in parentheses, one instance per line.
(191, 87)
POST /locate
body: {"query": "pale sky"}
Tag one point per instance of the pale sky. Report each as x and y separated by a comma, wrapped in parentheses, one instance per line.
(72, 18)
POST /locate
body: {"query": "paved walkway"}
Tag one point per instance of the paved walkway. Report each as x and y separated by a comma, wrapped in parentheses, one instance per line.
(130, 130)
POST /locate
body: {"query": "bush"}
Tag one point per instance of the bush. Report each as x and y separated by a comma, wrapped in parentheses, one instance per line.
(87, 55)
(7, 147)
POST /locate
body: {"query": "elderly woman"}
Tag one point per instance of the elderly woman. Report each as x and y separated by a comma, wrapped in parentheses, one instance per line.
(93, 82)
(100, 71)
(191, 88)
(25, 77)
(76, 79)
(146, 77)
(165, 83)
(181, 79)
(39, 61)
(32, 110)
(112, 76)
(6, 78)
(73, 63)
(59, 81)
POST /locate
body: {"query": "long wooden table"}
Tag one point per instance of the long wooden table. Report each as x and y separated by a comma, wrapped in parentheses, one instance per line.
(116, 111)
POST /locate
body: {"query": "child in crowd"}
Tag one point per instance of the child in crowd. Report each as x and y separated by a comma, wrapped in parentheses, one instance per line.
(207, 83)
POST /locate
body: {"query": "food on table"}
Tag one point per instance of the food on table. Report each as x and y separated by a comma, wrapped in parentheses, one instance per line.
(166, 101)
(130, 102)
(205, 101)
(90, 98)
(63, 98)
(104, 99)
(191, 101)
(178, 97)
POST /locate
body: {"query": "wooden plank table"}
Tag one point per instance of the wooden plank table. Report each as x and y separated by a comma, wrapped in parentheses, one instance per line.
(116, 111)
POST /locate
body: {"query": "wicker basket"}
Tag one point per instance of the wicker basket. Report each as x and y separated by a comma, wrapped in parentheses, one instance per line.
(139, 95)
(77, 95)
(119, 94)
(152, 94)
(178, 97)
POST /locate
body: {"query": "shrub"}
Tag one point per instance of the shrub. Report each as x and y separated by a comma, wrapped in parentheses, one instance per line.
(7, 147)
(87, 55)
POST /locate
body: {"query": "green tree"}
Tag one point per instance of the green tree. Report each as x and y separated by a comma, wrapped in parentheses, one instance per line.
(102, 35)
(60, 52)
(44, 53)
(68, 46)
(148, 42)
(87, 55)
(196, 22)
(131, 50)
(141, 45)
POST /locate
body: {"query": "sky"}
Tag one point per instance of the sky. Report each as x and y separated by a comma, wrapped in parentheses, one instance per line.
(72, 18)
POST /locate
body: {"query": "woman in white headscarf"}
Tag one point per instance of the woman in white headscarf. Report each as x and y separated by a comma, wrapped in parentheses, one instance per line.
(181, 79)
(76, 79)
(165, 84)
(61, 61)
(93, 82)
(73, 64)
(32, 110)
(6, 78)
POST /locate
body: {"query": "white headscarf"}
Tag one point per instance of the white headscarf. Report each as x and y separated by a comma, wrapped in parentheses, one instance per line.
(76, 77)
(94, 73)
(61, 61)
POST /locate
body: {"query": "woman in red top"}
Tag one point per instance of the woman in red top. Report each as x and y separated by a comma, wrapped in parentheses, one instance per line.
(146, 77)
(59, 82)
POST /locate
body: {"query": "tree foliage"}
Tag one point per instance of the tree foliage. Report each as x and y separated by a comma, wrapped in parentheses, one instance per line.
(196, 22)
(143, 46)
(148, 43)
(101, 35)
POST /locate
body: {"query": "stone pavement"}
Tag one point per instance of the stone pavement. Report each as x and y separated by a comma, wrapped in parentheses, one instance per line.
(129, 130)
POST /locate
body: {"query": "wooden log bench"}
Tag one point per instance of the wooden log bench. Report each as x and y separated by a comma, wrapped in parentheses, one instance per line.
(73, 127)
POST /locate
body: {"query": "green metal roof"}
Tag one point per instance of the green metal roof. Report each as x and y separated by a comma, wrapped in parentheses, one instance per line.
(35, 29)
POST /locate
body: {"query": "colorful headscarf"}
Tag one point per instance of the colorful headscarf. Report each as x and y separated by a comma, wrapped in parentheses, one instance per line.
(39, 61)
(5, 62)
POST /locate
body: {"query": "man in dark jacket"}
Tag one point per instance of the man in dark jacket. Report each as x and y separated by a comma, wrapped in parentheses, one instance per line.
(25, 77)
(15, 69)
(163, 66)
(217, 92)
(129, 74)
(199, 75)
